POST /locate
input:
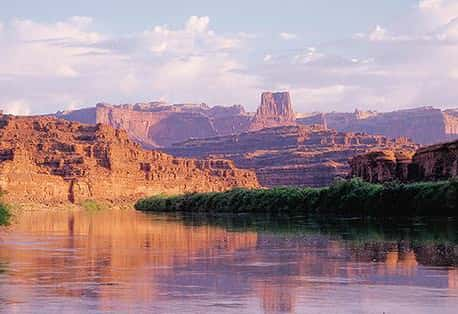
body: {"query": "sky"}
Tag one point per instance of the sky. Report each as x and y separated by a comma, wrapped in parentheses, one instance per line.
(332, 55)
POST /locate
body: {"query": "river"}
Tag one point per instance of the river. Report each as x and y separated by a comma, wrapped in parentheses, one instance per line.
(123, 261)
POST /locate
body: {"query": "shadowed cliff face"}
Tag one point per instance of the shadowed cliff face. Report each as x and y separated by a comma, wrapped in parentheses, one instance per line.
(290, 155)
(50, 160)
(431, 163)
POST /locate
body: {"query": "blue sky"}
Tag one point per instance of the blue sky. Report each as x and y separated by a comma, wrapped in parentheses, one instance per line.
(331, 55)
(326, 18)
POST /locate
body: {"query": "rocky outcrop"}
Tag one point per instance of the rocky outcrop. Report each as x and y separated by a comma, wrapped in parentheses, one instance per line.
(430, 163)
(382, 166)
(275, 110)
(49, 160)
(436, 162)
(290, 155)
(158, 124)
(425, 125)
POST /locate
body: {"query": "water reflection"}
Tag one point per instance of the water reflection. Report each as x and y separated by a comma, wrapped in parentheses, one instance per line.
(125, 261)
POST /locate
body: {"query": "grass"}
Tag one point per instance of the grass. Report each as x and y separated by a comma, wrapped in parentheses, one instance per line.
(343, 197)
(92, 206)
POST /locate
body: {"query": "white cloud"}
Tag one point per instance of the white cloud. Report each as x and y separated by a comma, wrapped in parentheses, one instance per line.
(383, 67)
(448, 32)
(287, 36)
(192, 62)
(379, 33)
(66, 71)
(16, 107)
(198, 24)
(430, 4)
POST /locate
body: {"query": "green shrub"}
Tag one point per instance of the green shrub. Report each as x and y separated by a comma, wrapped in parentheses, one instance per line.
(343, 197)
(5, 214)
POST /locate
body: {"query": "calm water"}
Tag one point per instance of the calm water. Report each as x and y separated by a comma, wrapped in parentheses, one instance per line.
(130, 262)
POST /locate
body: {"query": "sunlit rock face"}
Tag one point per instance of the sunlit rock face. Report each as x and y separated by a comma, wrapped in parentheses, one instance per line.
(291, 155)
(429, 163)
(424, 125)
(276, 109)
(45, 159)
(158, 124)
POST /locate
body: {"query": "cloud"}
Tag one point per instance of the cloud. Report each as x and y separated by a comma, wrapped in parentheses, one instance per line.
(384, 68)
(50, 66)
(66, 71)
(16, 107)
(197, 24)
(379, 33)
(56, 65)
(287, 36)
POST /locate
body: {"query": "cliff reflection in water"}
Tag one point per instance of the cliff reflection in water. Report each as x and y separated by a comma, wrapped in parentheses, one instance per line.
(125, 260)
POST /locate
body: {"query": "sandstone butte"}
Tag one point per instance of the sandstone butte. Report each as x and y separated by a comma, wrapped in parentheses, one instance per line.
(291, 155)
(158, 124)
(430, 163)
(275, 110)
(48, 160)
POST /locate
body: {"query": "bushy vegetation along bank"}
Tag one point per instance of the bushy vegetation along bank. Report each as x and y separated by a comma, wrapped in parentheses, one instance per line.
(352, 197)
(5, 214)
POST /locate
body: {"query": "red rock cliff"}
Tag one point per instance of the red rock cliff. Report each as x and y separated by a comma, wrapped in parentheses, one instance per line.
(158, 124)
(290, 155)
(425, 125)
(429, 163)
(51, 160)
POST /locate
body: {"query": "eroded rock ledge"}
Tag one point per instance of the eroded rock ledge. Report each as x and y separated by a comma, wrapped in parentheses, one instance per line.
(431, 163)
(49, 160)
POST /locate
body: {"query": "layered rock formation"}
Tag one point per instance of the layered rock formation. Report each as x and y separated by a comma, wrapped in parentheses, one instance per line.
(275, 110)
(382, 166)
(159, 124)
(436, 162)
(425, 125)
(429, 163)
(290, 155)
(50, 160)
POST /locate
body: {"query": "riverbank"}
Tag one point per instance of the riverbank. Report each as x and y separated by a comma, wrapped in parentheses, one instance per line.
(349, 197)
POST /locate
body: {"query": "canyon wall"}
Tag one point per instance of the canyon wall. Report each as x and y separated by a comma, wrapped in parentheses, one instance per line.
(431, 163)
(159, 124)
(425, 125)
(290, 155)
(48, 160)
